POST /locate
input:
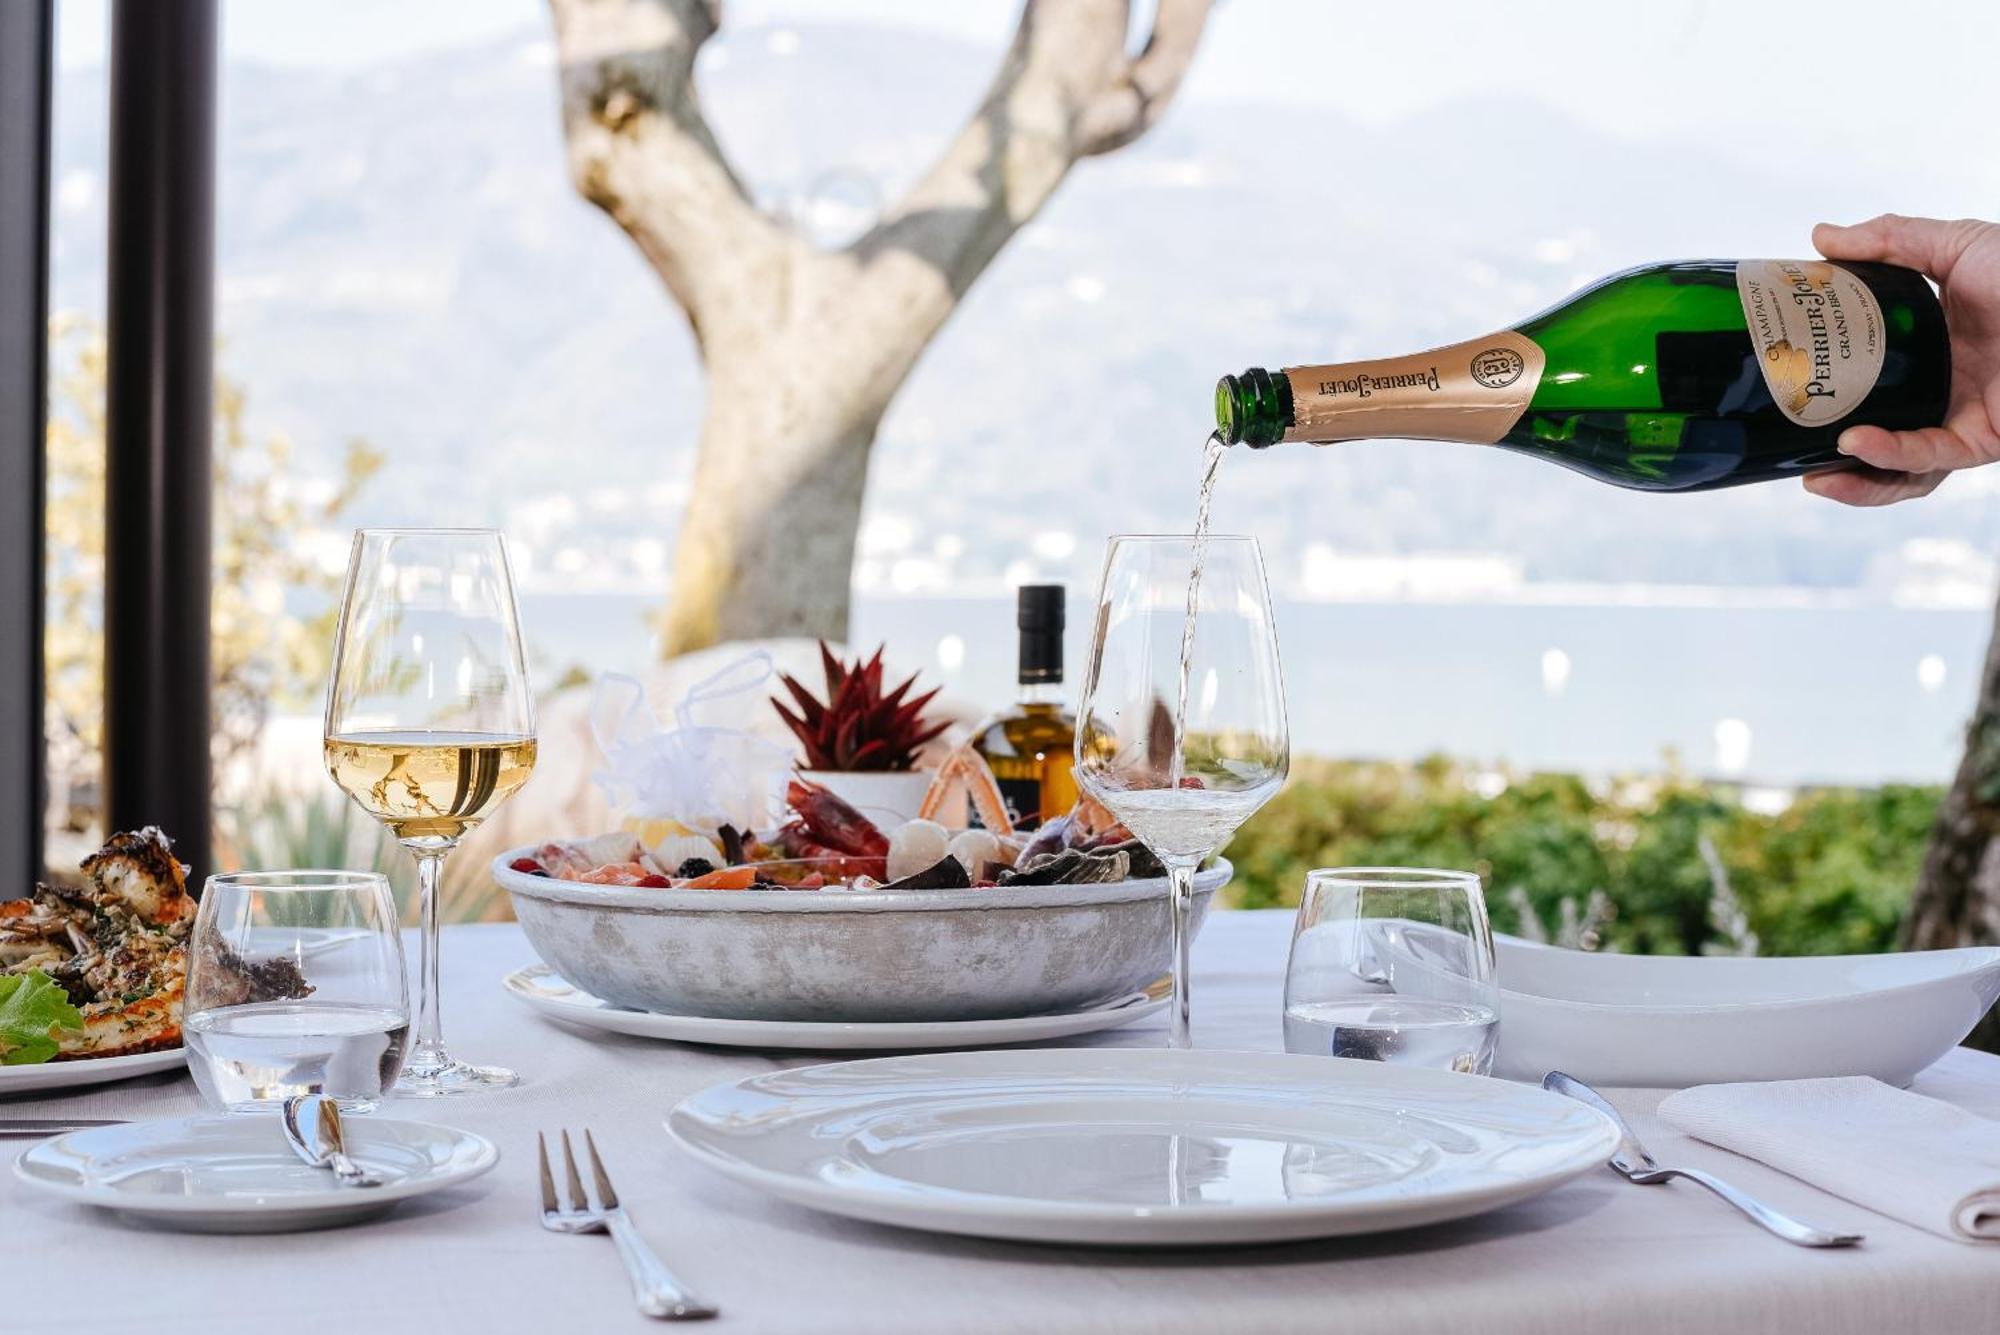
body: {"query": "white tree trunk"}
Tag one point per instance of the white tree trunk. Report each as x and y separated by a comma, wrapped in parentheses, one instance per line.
(767, 540)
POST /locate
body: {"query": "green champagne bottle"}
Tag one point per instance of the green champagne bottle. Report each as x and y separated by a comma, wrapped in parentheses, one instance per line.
(1670, 377)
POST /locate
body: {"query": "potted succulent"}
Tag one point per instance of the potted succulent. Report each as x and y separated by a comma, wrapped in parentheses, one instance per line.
(861, 741)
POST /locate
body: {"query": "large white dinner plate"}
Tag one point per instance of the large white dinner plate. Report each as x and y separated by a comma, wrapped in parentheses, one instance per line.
(88, 1071)
(1668, 1021)
(1141, 1147)
(237, 1174)
(548, 994)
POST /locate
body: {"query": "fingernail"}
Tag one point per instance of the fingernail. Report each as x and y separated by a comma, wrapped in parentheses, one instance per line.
(1845, 444)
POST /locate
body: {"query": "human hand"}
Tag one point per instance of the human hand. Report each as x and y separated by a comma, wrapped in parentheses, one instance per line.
(1963, 259)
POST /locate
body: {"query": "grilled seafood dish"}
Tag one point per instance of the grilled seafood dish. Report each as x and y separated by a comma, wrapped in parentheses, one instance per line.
(117, 945)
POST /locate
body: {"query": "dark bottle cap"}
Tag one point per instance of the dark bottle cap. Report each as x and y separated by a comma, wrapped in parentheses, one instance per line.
(1040, 618)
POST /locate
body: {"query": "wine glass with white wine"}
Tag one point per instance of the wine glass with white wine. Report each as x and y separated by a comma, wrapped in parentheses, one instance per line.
(430, 725)
(1182, 733)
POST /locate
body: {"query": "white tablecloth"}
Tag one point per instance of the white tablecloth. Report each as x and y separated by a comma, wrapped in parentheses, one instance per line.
(1596, 1255)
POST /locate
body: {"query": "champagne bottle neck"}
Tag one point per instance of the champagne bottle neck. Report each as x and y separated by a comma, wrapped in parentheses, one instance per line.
(1473, 391)
(1253, 409)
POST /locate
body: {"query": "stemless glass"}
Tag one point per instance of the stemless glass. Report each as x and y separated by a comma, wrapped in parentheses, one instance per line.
(1182, 728)
(1393, 964)
(295, 986)
(430, 724)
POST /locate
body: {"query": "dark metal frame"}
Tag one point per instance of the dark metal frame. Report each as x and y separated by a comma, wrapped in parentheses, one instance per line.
(159, 374)
(27, 40)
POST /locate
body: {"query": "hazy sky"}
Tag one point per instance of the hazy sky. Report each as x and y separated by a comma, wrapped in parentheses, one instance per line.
(1876, 80)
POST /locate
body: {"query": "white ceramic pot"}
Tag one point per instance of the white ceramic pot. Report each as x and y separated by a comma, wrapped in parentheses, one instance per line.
(887, 797)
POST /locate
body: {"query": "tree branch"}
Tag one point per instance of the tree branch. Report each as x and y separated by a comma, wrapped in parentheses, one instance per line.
(1066, 89)
(1130, 106)
(641, 150)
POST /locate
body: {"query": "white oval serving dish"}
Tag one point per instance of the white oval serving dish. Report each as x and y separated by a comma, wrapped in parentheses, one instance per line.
(1669, 1021)
(847, 955)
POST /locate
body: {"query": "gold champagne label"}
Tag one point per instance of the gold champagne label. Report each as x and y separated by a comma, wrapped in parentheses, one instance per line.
(1818, 334)
(1473, 392)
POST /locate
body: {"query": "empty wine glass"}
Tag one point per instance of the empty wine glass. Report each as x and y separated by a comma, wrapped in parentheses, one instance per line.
(295, 986)
(1393, 964)
(430, 724)
(1182, 729)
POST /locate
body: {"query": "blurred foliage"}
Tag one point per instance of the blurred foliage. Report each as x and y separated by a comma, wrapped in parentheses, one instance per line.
(271, 557)
(325, 829)
(266, 515)
(1831, 873)
(322, 830)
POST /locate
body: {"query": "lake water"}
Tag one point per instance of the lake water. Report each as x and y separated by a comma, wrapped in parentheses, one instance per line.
(1779, 694)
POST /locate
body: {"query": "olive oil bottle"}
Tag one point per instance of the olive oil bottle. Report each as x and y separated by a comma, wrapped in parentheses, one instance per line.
(1031, 744)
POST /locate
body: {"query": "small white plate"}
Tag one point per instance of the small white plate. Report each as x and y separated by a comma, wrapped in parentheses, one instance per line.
(87, 1071)
(237, 1174)
(1141, 1147)
(548, 994)
(1669, 1021)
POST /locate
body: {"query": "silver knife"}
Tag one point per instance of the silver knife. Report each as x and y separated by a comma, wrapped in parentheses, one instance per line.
(49, 1126)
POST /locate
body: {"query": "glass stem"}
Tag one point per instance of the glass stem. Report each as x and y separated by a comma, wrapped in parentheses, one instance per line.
(427, 1052)
(1180, 896)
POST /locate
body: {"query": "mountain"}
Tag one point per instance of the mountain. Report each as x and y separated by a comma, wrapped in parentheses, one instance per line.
(402, 258)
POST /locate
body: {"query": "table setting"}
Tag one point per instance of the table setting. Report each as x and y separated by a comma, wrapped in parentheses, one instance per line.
(911, 1061)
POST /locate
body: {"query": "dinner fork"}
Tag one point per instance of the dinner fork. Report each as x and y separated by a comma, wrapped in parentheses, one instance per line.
(654, 1287)
(1631, 1162)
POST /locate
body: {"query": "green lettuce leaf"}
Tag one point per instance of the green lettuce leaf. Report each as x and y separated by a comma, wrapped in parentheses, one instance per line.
(32, 1009)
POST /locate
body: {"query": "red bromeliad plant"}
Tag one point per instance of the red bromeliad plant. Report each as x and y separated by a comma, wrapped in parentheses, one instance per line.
(857, 726)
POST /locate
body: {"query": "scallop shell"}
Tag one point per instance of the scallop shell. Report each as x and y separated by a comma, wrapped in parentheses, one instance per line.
(974, 848)
(915, 845)
(675, 849)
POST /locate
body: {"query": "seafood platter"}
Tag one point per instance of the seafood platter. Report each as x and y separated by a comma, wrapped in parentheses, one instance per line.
(820, 912)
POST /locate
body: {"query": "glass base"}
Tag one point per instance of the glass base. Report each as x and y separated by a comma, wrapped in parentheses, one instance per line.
(451, 1077)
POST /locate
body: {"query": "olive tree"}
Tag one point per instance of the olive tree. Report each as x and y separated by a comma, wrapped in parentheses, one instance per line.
(803, 346)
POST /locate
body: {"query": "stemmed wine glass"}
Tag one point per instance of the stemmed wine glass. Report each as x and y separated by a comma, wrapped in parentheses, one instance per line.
(1182, 731)
(430, 725)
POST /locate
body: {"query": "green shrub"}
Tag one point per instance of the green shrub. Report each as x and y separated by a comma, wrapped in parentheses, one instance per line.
(1829, 874)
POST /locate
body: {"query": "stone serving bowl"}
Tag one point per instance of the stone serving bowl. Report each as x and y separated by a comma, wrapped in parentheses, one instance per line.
(846, 955)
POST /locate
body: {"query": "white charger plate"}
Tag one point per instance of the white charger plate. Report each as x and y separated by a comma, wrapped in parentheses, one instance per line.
(549, 994)
(1669, 1021)
(237, 1174)
(1141, 1147)
(87, 1071)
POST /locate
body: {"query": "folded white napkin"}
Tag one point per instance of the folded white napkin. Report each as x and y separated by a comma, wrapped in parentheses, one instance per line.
(1900, 1154)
